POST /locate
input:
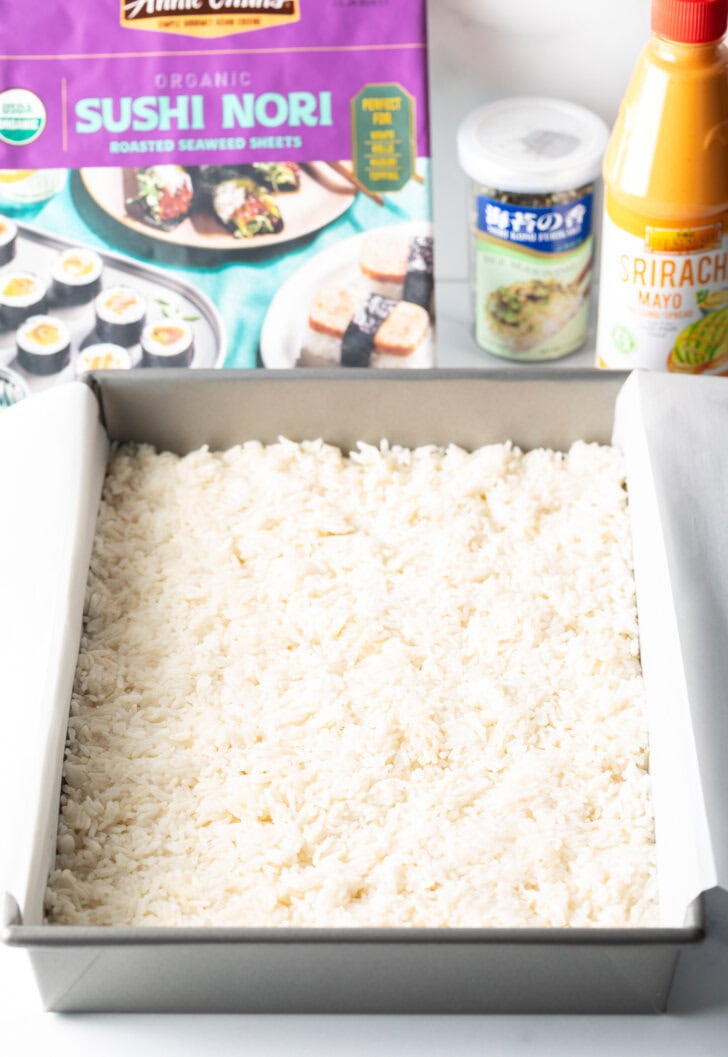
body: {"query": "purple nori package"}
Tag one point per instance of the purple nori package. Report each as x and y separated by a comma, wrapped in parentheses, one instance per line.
(225, 159)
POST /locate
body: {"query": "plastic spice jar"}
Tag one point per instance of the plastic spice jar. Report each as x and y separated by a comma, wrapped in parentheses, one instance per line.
(532, 165)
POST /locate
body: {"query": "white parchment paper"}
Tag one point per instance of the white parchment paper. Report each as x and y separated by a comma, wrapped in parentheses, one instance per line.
(53, 452)
(674, 433)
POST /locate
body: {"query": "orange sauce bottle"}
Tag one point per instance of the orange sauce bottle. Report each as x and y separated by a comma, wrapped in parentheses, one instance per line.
(663, 300)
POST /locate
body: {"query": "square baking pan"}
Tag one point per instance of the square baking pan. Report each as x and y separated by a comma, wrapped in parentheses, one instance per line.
(60, 443)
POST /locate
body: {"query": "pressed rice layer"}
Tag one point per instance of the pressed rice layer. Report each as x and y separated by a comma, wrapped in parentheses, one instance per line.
(396, 688)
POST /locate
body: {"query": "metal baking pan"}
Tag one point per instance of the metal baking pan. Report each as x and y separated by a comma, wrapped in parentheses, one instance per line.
(165, 293)
(375, 969)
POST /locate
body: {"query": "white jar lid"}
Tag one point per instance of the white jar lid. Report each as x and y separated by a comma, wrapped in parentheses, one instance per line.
(532, 145)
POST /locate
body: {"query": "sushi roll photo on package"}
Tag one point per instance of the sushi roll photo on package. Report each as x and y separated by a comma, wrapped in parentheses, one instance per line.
(243, 185)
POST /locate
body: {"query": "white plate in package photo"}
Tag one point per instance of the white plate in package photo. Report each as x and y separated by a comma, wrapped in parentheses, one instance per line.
(283, 335)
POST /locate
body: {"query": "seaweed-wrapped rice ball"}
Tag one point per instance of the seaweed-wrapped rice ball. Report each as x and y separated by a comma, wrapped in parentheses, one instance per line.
(357, 344)
(330, 314)
(167, 343)
(76, 276)
(120, 315)
(43, 345)
(22, 294)
(245, 209)
(103, 356)
(163, 196)
(383, 260)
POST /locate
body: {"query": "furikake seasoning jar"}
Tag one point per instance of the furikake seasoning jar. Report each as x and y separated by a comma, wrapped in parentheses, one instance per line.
(532, 164)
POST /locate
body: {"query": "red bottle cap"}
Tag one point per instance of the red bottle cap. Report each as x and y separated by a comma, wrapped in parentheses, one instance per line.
(690, 21)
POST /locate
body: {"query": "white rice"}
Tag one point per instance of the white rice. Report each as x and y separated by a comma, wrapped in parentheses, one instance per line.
(394, 291)
(400, 688)
(320, 350)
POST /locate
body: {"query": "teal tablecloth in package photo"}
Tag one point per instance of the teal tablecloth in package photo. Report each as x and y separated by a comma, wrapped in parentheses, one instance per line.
(240, 282)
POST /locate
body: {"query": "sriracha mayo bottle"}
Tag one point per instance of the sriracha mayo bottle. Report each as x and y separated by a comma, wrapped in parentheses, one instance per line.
(663, 300)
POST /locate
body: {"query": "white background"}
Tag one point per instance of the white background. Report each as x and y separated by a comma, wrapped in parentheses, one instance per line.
(581, 50)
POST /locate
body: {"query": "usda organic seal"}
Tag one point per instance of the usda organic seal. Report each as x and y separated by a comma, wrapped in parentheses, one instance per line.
(22, 116)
